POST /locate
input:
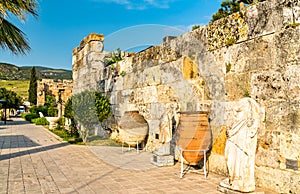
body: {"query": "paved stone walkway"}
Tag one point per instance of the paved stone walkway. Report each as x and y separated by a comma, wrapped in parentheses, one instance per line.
(32, 160)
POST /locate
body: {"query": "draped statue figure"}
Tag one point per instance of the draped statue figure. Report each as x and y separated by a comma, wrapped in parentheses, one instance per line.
(241, 146)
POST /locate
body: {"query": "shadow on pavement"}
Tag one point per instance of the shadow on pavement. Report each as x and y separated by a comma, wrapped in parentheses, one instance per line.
(16, 141)
(14, 122)
(32, 151)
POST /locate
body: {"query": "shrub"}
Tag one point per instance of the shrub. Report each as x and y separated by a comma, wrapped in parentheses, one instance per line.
(195, 27)
(52, 111)
(37, 109)
(30, 116)
(90, 108)
(40, 121)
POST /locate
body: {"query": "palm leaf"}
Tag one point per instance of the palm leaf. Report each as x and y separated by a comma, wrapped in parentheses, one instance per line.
(12, 38)
(18, 8)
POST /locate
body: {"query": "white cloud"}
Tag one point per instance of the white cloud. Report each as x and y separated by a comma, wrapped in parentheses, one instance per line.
(140, 4)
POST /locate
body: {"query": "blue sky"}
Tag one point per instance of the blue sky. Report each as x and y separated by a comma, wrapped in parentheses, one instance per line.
(62, 24)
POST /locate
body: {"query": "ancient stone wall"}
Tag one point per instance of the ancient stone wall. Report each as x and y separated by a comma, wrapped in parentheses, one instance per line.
(87, 63)
(54, 88)
(254, 54)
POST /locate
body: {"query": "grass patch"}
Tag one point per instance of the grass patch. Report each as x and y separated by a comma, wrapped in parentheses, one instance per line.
(65, 135)
(20, 87)
(98, 141)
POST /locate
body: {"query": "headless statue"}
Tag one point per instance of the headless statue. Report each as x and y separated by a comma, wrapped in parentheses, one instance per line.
(241, 146)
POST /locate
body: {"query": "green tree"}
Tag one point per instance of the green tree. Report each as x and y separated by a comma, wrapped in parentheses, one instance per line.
(11, 98)
(32, 92)
(90, 108)
(51, 105)
(69, 114)
(69, 109)
(11, 37)
(195, 27)
(230, 6)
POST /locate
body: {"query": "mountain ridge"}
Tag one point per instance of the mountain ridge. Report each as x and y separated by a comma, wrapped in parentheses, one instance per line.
(13, 72)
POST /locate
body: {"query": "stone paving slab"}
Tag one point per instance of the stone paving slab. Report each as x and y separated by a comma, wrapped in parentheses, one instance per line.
(126, 159)
(33, 160)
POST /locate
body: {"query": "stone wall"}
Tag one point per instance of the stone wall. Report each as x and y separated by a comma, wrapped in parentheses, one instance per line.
(64, 88)
(250, 54)
(87, 63)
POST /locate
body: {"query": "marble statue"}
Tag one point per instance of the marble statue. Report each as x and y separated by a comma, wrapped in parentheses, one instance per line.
(166, 123)
(241, 146)
(166, 126)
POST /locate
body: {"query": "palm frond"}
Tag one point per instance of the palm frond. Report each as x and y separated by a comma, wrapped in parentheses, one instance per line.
(13, 38)
(18, 8)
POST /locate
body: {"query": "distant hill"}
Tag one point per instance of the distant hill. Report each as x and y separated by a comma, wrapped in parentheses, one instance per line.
(12, 72)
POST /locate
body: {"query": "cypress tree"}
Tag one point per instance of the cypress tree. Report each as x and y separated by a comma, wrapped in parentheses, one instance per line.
(32, 97)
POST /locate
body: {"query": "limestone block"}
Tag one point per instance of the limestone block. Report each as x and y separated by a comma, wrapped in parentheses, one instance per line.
(268, 85)
(162, 160)
(296, 12)
(264, 18)
(289, 146)
(219, 143)
(184, 92)
(267, 158)
(109, 84)
(152, 76)
(96, 46)
(270, 140)
(216, 87)
(217, 164)
(146, 95)
(144, 110)
(189, 69)
(277, 116)
(237, 86)
(114, 97)
(94, 56)
(218, 116)
(118, 85)
(171, 72)
(166, 94)
(226, 31)
(157, 110)
(253, 55)
(153, 126)
(287, 47)
(283, 116)
(130, 80)
(115, 109)
(280, 181)
(293, 82)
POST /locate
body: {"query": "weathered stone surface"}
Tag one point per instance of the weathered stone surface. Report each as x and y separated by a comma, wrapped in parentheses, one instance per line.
(268, 85)
(287, 48)
(293, 82)
(199, 71)
(59, 88)
(234, 29)
(219, 143)
(162, 160)
(282, 181)
(149, 77)
(237, 86)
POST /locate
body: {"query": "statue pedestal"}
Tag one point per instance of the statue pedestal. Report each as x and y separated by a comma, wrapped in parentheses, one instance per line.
(229, 191)
(162, 156)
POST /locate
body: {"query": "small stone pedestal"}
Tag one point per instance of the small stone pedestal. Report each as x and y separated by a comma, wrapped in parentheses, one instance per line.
(229, 191)
(162, 156)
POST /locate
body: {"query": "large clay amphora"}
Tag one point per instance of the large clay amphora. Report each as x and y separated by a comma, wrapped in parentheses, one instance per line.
(194, 135)
(133, 128)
